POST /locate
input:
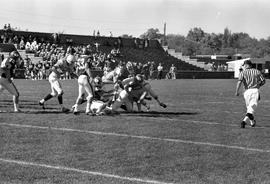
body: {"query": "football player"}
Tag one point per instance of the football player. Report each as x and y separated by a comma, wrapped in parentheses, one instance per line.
(85, 86)
(7, 73)
(62, 65)
(135, 90)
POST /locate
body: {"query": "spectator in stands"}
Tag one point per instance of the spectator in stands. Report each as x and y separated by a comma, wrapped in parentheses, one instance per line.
(8, 27)
(22, 43)
(4, 38)
(160, 71)
(138, 68)
(213, 67)
(173, 71)
(225, 67)
(145, 70)
(146, 43)
(135, 43)
(47, 67)
(16, 41)
(27, 47)
(151, 70)
(119, 43)
(97, 46)
(55, 38)
(107, 68)
(114, 52)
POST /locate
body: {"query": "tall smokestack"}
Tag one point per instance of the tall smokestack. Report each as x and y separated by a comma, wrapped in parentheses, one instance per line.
(164, 38)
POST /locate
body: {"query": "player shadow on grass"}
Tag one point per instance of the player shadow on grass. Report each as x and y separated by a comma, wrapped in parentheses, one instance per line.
(158, 114)
(11, 101)
(56, 111)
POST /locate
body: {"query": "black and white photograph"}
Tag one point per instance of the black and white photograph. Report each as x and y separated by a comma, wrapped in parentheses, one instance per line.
(134, 92)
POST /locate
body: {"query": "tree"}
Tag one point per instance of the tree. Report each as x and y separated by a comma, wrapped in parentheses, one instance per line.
(190, 48)
(199, 42)
(196, 34)
(175, 41)
(151, 34)
(226, 38)
(126, 36)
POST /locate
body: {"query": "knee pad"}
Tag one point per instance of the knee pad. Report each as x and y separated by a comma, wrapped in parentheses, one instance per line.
(54, 94)
(61, 92)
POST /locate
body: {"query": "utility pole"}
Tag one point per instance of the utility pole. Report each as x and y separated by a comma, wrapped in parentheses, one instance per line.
(164, 36)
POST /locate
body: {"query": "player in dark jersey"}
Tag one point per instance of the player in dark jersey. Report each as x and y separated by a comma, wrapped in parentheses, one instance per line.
(6, 74)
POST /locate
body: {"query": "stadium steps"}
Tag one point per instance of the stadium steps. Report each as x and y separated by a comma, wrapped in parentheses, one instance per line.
(186, 59)
(156, 55)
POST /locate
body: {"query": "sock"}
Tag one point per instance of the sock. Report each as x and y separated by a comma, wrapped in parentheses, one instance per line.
(46, 98)
(60, 99)
(16, 106)
(245, 119)
(250, 116)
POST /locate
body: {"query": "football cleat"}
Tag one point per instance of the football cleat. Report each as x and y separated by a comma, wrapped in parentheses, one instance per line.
(89, 113)
(17, 110)
(163, 105)
(100, 113)
(253, 123)
(63, 109)
(41, 104)
(74, 110)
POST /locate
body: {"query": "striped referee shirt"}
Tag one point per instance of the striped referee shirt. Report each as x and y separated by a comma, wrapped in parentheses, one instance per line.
(251, 78)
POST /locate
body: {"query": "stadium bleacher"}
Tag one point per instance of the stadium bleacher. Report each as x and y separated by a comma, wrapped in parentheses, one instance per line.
(129, 52)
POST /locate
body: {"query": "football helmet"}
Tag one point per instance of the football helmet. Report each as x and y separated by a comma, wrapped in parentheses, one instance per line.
(14, 55)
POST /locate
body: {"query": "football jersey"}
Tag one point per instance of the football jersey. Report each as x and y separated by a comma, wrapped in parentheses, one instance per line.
(60, 67)
(251, 78)
(6, 68)
(82, 66)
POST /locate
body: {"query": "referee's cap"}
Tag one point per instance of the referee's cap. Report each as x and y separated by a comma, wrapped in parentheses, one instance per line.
(247, 62)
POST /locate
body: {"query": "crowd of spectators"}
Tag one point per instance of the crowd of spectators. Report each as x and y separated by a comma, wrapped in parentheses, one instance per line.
(218, 67)
(47, 52)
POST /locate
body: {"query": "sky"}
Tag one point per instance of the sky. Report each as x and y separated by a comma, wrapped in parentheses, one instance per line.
(135, 17)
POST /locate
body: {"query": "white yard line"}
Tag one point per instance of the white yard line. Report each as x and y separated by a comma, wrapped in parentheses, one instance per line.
(199, 122)
(138, 137)
(63, 168)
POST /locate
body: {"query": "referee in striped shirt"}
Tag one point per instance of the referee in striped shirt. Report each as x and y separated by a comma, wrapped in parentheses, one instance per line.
(252, 80)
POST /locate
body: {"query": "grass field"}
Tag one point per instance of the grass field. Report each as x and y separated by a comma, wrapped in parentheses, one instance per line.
(196, 139)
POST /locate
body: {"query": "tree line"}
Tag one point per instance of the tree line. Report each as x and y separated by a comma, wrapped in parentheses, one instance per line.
(198, 42)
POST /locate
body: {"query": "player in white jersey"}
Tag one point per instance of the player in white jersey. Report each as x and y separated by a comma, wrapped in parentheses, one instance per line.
(252, 80)
(62, 65)
(6, 74)
(85, 86)
(101, 98)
